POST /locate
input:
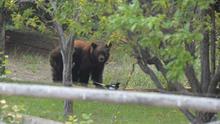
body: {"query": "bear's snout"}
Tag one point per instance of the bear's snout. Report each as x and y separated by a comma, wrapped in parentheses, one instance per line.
(101, 58)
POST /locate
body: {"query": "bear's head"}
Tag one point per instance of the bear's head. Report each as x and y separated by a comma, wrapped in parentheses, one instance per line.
(100, 51)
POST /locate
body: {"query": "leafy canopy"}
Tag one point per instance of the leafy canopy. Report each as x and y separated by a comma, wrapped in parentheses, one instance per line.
(164, 27)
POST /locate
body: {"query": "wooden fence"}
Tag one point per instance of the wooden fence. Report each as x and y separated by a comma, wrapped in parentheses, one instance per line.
(120, 97)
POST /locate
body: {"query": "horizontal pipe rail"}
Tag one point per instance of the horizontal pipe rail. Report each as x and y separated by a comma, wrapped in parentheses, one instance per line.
(120, 97)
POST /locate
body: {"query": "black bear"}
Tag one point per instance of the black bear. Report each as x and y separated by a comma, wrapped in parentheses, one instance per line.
(89, 59)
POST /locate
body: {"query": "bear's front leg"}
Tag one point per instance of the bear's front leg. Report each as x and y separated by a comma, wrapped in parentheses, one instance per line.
(84, 78)
(97, 78)
(75, 73)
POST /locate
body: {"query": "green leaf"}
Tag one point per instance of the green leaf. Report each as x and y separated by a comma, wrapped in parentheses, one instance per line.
(197, 36)
(28, 12)
(133, 27)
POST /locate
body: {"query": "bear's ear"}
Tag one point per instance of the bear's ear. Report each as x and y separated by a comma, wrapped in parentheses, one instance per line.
(94, 45)
(109, 45)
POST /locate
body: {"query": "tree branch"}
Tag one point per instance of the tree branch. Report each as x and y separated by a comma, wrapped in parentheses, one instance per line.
(23, 1)
(2, 40)
(205, 69)
(190, 47)
(148, 59)
(58, 27)
(60, 31)
(189, 70)
(213, 41)
(191, 76)
(67, 51)
(188, 114)
(214, 82)
(141, 60)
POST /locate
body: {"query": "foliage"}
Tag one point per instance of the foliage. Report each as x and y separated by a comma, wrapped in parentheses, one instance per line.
(172, 35)
(85, 119)
(82, 18)
(164, 32)
(10, 114)
(167, 25)
(22, 18)
(4, 60)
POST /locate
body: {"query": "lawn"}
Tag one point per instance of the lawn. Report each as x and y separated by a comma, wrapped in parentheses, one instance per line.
(102, 113)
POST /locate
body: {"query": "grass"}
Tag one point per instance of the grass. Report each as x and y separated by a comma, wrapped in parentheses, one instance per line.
(119, 67)
(27, 66)
(31, 62)
(30, 67)
(102, 113)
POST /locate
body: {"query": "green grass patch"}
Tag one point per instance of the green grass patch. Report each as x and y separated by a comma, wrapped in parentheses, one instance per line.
(102, 113)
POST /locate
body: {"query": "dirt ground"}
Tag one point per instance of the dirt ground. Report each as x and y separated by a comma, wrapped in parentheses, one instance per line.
(29, 68)
(28, 55)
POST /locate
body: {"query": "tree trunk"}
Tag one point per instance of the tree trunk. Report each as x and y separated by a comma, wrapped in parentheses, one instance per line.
(2, 41)
(67, 74)
(203, 117)
(67, 52)
(205, 69)
(66, 44)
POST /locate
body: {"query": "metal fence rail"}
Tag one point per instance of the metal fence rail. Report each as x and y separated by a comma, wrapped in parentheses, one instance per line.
(121, 97)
